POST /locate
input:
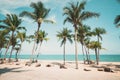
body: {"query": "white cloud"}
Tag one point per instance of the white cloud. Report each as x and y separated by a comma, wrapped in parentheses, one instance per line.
(26, 19)
(53, 18)
(8, 4)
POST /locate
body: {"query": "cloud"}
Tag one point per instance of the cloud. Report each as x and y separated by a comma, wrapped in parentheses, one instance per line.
(53, 18)
(26, 19)
(8, 4)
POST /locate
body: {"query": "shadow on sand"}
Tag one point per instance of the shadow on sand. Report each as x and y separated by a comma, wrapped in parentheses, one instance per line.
(5, 70)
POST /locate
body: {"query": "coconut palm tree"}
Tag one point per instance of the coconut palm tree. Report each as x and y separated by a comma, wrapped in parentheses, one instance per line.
(64, 35)
(82, 34)
(22, 37)
(3, 40)
(42, 35)
(12, 24)
(95, 45)
(13, 44)
(75, 14)
(117, 21)
(98, 32)
(39, 14)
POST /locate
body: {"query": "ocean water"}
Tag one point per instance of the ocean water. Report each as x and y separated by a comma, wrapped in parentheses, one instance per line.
(103, 58)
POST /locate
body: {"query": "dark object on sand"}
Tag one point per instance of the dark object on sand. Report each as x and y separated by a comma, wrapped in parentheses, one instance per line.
(48, 65)
(38, 65)
(107, 69)
(28, 63)
(62, 66)
(86, 69)
(100, 69)
(1, 61)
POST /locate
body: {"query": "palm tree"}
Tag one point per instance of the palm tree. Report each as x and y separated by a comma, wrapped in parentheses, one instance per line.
(98, 32)
(42, 35)
(64, 35)
(75, 14)
(117, 21)
(13, 44)
(82, 34)
(22, 36)
(11, 24)
(3, 40)
(39, 15)
(95, 45)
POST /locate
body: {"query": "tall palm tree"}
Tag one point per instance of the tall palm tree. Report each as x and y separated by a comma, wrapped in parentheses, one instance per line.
(39, 14)
(64, 35)
(98, 32)
(117, 21)
(75, 14)
(11, 24)
(95, 45)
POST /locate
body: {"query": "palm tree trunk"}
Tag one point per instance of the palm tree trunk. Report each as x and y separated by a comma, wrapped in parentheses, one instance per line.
(39, 50)
(39, 24)
(76, 53)
(98, 51)
(8, 45)
(86, 54)
(11, 54)
(20, 47)
(0, 52)
(89, 56)
(64, 54)
(96, 55)
(83, 54)
(32, 51)
(16, 56)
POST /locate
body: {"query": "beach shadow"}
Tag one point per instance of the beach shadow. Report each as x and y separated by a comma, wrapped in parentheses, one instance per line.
(5, 70)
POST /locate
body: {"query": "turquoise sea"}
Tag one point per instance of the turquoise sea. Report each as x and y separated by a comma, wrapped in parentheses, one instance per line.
(103, 57)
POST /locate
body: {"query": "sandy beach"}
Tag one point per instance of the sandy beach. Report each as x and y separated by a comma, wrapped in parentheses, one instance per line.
(18, 71)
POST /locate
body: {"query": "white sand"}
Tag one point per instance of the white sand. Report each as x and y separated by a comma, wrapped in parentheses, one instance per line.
(22, 72)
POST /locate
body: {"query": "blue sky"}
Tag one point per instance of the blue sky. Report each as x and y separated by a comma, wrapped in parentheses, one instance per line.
(108, 9)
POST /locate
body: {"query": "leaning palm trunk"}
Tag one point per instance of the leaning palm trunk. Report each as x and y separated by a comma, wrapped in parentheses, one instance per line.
(31, 57)
(8, 45)
(39, 50)
(64, 54)
(11, 54)
(76, 53)
(83, 54)
(86, 54)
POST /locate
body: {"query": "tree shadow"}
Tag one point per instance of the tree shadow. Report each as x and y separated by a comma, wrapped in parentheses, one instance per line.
(5, 70)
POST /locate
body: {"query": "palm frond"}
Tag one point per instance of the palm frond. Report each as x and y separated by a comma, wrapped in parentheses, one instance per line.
(117, 20)
(49, 21)
(86, 15)
(28, 14)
